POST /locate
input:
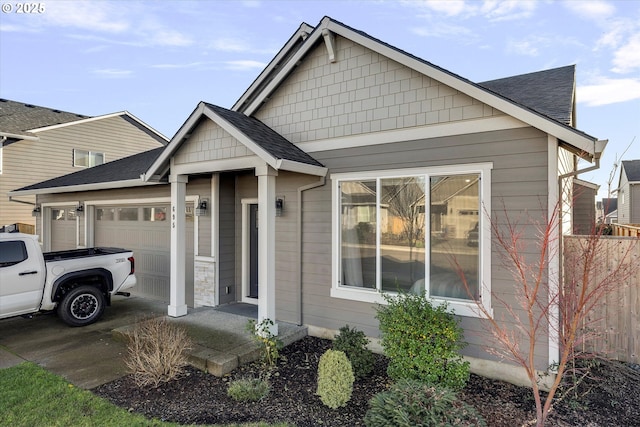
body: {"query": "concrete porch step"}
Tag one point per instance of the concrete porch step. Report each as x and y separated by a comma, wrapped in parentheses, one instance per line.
(221, 341)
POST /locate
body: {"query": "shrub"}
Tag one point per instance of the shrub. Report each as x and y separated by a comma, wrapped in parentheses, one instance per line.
(270, 345)
(335, 379)
(156, 351)
(248, 389)
(411, 403)
(354, 344)
(422, 342)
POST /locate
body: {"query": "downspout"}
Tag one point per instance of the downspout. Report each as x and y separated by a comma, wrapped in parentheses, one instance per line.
(321, 182)
(599, 146)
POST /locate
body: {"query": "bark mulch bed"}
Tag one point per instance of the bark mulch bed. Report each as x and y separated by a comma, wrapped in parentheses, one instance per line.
(608, 396)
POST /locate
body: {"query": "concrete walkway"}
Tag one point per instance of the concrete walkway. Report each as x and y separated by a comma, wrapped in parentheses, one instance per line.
(93, 355)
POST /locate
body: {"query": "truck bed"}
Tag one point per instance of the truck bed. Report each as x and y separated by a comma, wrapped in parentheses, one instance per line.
(80, 253)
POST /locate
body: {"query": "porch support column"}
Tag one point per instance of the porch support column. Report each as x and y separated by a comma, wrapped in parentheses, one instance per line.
(177, 302)
(266, 245)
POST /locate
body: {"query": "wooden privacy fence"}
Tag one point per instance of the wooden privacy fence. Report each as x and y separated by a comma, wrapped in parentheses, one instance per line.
(631, 230)
(613, 325)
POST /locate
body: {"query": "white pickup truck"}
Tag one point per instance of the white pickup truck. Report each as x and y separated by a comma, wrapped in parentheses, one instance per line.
(79, 282)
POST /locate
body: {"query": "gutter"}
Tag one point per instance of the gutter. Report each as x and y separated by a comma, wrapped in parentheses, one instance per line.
(554, 319)
(7, 135)
(11, 199)
(321, 182)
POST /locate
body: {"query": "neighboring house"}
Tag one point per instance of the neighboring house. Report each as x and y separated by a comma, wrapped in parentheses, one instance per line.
(607, 210)
(629, 193)
(347, 168)
(584, 206)
(38, 143)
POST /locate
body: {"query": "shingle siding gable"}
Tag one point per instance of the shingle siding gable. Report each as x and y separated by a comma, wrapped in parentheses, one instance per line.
(361, 92)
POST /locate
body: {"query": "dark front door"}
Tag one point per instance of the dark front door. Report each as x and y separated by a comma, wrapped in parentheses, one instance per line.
(253, 251)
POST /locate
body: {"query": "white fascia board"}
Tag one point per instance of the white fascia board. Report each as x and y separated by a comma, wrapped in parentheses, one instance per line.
(18, 136)
(587, 184)
(242, 138)
(292, 166)
(304, 29)
(175, 143)
(85, 187)
(465, 127)
(221, 165)
(93, 119)
(548, 126)
(284, 71)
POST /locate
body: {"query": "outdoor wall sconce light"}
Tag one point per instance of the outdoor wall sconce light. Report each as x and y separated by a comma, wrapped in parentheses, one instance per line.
(201, 210)
(279, 206)
(36, 211)
(80, 208)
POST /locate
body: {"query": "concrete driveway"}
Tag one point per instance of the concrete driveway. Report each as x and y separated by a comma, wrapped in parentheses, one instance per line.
(86, 356)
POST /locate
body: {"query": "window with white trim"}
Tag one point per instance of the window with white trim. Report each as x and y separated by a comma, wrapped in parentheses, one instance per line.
(87, 159)
(413, 230)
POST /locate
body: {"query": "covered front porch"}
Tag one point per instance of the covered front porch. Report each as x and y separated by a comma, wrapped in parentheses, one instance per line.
(258, 165)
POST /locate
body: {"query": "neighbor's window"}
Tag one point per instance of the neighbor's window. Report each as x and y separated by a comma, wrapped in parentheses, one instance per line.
(86, 159)
(412, 231)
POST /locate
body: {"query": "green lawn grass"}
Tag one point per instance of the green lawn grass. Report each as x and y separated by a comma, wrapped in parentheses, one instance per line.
(32, 396)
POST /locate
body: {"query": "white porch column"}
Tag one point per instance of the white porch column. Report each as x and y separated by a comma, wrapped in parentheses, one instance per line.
(266, 245)
(177, 302)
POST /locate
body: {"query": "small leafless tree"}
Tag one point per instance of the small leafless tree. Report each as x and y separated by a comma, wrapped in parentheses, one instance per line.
(560, 309)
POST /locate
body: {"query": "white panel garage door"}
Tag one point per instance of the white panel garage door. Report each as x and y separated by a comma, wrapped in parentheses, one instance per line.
(144, 229)
(63, 228)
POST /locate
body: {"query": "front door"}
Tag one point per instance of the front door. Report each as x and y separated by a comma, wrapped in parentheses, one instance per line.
(253, 251)
(250, 251)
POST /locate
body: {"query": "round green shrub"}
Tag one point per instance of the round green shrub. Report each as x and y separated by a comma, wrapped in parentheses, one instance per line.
(411, 403)
(335, 379)
(422, 342)
(354, 344)
(248, 389)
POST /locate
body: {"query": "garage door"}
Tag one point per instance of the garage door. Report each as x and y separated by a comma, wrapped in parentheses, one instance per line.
(63, 228)
(145, 230)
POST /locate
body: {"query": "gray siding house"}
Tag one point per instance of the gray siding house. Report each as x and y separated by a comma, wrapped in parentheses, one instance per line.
(348, 168)
(629, 193)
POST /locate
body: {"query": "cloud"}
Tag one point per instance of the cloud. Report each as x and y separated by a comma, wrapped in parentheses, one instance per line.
(112, 73)
(627, 58)
(179, 66)
(595, 10)
(493, 10)
(244, 65)
(451, 7)
(508, 10)
(95, 16)
(604, 91)
(441, 29)
(230, 45)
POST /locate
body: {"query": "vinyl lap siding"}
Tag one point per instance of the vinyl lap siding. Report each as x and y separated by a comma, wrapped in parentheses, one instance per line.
(29, 162)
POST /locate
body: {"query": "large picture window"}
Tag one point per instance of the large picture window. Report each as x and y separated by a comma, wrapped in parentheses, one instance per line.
(417, 230)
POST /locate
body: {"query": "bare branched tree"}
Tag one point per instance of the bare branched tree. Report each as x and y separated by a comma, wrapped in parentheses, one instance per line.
(561, 310)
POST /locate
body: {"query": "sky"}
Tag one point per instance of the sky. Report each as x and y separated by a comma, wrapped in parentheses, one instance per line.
(158, 59)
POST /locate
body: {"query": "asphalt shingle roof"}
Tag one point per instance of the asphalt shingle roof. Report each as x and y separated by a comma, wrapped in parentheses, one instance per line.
(549, 92)
(127, 168)
(19, 118)
(632, 169)
(270, 140)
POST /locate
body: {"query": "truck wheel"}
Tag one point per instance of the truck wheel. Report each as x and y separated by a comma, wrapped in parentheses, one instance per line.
(82, 306)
